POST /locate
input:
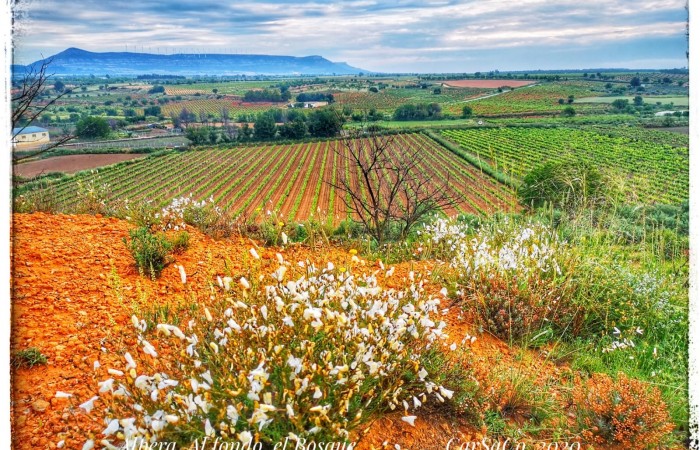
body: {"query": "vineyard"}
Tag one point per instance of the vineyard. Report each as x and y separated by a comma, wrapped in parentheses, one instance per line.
(214, 107)
(232, 87)
(294, 179)
(652, 171)
(390, 99)
(543, 98)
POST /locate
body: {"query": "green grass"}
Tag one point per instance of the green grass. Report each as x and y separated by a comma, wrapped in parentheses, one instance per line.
(29, 357)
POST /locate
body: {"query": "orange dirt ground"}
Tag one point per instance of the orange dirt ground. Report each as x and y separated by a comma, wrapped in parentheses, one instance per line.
(64, 304)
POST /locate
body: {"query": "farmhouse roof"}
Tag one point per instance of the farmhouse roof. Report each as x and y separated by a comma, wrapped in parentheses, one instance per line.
(27, 130)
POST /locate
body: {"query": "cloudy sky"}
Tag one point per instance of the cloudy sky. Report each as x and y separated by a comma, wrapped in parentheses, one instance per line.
(379, 35)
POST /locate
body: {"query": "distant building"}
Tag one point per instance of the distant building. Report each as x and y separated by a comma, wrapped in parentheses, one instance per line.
(29, 137)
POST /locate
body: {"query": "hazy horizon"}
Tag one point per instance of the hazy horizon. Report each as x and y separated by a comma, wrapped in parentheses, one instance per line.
(401, 36)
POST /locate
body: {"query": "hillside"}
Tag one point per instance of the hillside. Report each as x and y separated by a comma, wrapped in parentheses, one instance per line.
(74, 61)
(74, 299)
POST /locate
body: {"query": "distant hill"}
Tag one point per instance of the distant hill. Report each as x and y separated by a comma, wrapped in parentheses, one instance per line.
(75, 61)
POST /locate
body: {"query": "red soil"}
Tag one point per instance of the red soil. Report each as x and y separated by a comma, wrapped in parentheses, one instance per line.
(487, 83)
(70, 163)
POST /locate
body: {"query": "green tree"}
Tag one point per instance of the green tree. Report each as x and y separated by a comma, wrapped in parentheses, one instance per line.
(635, 82)
(59, 86)
(638, 100)
(569, 111)
(467, 111)
(295, 129)
(265, 126)
(92, 127)
(325, 122)
(620, 103)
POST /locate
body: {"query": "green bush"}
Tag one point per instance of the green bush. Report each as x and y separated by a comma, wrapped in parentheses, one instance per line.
(566, 185)
(150, 251)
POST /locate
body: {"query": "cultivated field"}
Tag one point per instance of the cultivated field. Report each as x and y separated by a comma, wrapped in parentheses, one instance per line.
(70, 163)
(651, 171)
(488, 83)
(293, 179)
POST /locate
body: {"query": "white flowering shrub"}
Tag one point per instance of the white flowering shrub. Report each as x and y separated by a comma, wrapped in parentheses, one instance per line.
(204, 215)
(310, 357)
(515, 276)
(91, 197)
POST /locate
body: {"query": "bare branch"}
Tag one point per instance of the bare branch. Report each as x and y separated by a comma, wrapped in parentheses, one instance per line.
(390, 188)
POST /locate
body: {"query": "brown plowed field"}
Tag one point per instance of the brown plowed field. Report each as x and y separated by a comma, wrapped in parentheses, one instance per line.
(70, 163)
(487, 83)
(289, 179)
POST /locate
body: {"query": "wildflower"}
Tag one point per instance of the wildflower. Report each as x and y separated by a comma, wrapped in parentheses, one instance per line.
(208, 429)
(89, 445)
(61, 394)
(183, 275)
(639, 331)
(245, 437)
(284, 238)
(149, 349)
(105, 385)
(112, 427)
(254, 254)
(353, 251)
(130, 363)
(409, 420)
(207, 314)
(244, 283)
(88, 405)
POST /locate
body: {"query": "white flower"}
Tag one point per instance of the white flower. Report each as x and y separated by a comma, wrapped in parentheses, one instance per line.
(245, 437)
(284, 238)
(130, 363)
(409, 420)
(61, 394)
(254, 254)
(207, 314)
(112, 427)
(89, 445)
(208, 429)
(244, 283)
(88, 405)
(105, 385)
(183, 275)
(443, 291)
(170, 418)
(149, 349)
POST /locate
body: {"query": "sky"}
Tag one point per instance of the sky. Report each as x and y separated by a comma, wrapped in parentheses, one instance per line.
(376, 35)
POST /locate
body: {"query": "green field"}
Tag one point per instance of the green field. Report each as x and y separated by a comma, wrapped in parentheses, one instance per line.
(649, 170)
(677, 101)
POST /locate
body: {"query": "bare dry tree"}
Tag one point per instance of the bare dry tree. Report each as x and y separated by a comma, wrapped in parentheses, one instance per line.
(27, 106)
(388, 189)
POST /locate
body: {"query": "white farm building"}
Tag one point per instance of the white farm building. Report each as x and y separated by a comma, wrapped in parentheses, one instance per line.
(29, 137)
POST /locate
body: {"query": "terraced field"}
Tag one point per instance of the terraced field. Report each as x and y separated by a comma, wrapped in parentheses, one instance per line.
(294, 179)
(652, 166)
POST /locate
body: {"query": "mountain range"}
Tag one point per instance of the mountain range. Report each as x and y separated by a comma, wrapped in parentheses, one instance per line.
(75, 61)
